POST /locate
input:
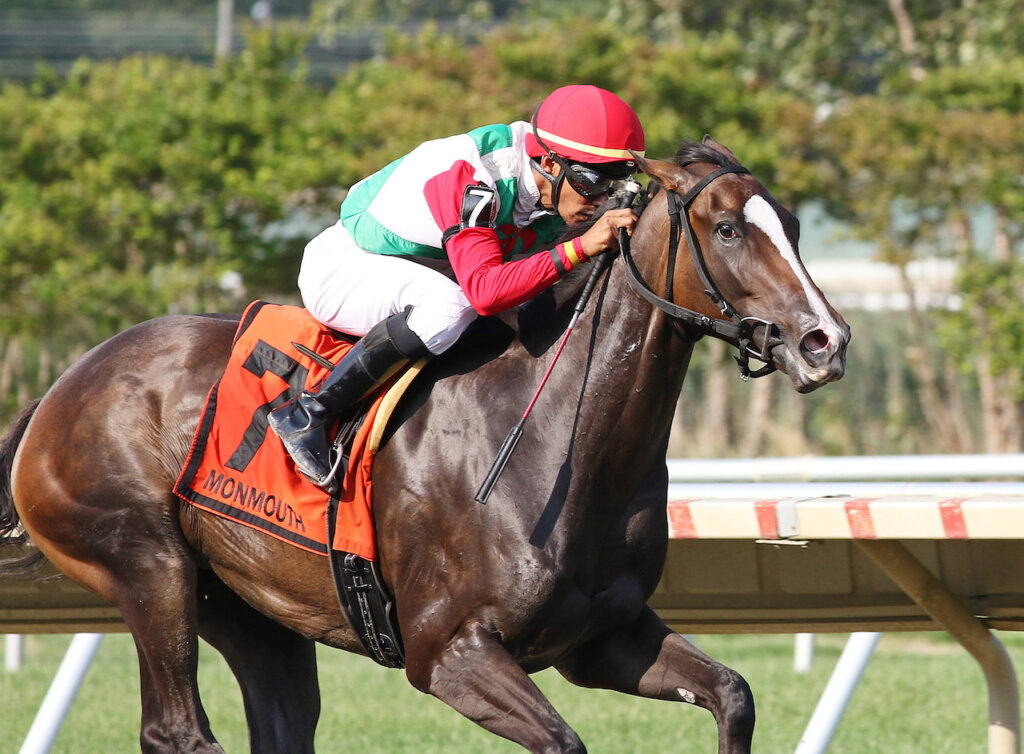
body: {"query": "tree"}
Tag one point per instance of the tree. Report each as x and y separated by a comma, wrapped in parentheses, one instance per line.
(148, 185)
(151, 185)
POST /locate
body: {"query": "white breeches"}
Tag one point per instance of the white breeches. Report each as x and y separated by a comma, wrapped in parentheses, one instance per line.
(351, 290)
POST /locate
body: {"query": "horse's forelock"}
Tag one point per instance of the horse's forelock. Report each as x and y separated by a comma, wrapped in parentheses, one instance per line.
(694, 151)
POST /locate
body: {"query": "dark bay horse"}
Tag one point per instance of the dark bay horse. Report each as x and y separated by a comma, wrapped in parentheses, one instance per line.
(554, 570)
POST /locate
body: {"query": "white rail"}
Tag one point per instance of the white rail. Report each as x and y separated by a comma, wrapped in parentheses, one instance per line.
(809, 476)
(61, 694)
(952, 467)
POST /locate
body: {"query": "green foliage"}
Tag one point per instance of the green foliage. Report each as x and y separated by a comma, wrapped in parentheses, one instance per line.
(988, 86)
(151, 185)
(281, 7)
(991, 319)
(137, 187)
(134, 187)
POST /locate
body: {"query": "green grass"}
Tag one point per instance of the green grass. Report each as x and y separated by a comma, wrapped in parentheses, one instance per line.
(921, 693)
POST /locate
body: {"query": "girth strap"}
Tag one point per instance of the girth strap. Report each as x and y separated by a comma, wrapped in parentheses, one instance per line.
(365, 600)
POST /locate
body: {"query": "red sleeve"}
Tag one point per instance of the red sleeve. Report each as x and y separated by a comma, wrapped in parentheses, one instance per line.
(492, 286)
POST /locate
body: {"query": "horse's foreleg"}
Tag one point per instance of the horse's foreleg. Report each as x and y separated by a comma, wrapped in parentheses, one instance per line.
(275, 667)
(648, 659)
(477, 677)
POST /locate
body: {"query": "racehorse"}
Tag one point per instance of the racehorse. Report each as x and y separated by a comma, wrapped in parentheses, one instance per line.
(554, 570)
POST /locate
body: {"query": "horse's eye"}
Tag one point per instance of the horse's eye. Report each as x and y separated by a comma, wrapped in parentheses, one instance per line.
(726, 232)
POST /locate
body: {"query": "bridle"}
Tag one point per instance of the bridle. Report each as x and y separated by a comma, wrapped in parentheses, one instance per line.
(737, 329)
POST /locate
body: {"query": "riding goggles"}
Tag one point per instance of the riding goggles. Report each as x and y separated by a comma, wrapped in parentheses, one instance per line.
(586, 181)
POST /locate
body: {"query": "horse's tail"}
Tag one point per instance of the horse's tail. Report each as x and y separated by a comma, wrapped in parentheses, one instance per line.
(10, 532)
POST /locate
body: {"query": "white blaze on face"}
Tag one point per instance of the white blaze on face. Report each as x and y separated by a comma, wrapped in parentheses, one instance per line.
(759, 212)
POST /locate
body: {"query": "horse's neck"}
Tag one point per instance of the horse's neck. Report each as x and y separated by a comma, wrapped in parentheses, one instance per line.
(627, 370)
(639, 345)
(659, 357)
(611, 400)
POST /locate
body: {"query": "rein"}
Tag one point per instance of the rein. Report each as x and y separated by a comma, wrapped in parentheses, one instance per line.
(737, 328)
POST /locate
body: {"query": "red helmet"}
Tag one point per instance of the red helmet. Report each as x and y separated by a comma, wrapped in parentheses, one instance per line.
(584, 123)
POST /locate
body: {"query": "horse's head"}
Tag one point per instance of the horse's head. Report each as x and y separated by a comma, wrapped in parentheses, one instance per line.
(753, 283)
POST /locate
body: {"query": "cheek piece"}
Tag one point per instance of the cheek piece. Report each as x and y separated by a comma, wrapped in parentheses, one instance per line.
(584, 179)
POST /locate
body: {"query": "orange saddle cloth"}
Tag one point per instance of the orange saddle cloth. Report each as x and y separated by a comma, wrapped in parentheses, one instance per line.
(237, 467)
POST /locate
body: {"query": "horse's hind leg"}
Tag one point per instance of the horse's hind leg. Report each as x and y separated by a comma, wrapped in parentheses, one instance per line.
(275, 667)
(118, 546)
(157, 601)
(648, 659)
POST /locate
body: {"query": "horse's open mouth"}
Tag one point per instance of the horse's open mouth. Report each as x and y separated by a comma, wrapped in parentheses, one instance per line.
(818, 359)
(806, 377)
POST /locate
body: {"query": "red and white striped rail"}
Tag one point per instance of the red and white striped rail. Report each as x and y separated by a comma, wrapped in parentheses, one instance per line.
(849, 517)
(853, 497)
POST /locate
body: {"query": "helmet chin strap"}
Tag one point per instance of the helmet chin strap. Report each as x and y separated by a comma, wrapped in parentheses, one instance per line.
(556, 182)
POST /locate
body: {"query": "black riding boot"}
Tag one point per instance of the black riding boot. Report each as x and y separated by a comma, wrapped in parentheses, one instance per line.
(302, 423)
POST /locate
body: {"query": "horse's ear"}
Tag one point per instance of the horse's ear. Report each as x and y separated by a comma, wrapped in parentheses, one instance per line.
(669, 175)
(709, 142)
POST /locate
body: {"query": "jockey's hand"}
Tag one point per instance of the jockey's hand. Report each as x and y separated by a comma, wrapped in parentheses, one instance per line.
(604, 234)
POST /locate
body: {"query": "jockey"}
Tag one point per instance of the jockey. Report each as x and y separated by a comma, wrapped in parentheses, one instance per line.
(458, 206)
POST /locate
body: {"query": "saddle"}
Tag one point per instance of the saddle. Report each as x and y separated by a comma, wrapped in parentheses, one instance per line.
(238, 469)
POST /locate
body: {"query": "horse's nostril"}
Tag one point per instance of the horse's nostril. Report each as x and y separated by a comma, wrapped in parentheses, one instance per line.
(815, 341)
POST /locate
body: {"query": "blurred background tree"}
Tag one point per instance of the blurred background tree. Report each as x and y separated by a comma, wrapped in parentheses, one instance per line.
(134, 184)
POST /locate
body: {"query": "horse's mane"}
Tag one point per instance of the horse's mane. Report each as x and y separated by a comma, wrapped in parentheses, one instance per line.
(694, 151)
